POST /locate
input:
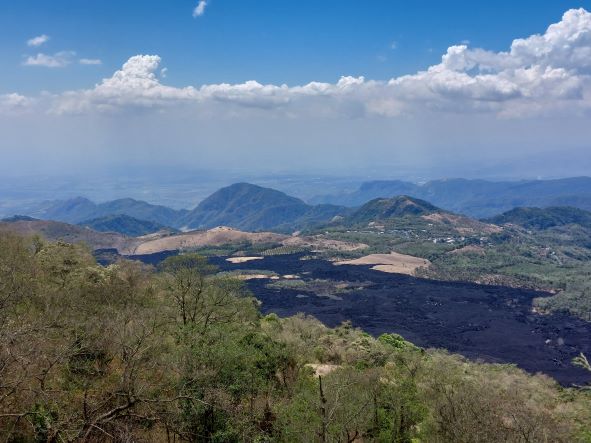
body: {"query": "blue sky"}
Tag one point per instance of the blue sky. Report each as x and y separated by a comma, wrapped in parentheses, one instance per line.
(272, 41)
(398, 89)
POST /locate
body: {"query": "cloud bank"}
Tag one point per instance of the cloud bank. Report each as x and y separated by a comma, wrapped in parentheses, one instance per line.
(542, 74)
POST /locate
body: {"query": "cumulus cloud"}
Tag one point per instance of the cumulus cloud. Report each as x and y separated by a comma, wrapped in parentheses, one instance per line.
(57, 60)
(135, 84)
(200, 8)
(38, 41)
(90, 61)
(539, 74)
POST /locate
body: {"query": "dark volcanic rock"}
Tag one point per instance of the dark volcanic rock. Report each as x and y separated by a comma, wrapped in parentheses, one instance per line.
(491, 323)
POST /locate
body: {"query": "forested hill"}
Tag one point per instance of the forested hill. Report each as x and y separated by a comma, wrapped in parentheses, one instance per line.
(544, 218)
(251, 207)
(381, 209)
(475, 198)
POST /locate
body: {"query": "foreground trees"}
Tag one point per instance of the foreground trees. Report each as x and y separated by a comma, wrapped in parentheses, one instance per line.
(129, 353)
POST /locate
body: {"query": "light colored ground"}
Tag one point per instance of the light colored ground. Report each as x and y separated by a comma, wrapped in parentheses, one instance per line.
(464, 225)
(317, 243)
(195, 239)
(164, 241)
(470, 249)
(237, 260)
(322, 369)
(256, 277)
(394, 263)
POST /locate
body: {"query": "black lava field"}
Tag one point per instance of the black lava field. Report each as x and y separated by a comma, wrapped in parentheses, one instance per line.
(490, 323)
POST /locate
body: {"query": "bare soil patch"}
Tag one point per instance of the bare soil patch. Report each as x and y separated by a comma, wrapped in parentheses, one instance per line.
(470, 249)
(196, 239)
(318, 243)
(464, 225)
(393, 263)
(242, 259)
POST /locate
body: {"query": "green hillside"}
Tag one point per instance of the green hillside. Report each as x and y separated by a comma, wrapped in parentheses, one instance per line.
(381, 209)
(123, 224)
(544, 218)
(255, 208)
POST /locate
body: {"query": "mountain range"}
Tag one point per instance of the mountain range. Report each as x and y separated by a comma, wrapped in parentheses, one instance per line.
(244, 205)
(80, 210)
(241, 205)
(475, 198)
(254, 208)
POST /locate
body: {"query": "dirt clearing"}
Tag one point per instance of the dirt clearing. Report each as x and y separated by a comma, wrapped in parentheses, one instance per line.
(237, 260)
(393, 263)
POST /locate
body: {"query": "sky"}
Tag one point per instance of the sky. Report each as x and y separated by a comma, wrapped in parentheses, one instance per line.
(383, 88)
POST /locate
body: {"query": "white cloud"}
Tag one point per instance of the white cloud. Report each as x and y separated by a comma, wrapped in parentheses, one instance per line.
(135, 84)
(57, 60)
(14, 103)
(38, 41)
(200, 8)
(90, 61)
(545, 73)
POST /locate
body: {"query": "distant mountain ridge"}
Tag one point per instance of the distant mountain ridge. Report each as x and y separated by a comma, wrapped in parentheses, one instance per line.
(124, 224)
(242, 206)
(17, 218)
(255, 208)
(475, 198)
(80, 209)
(544, 218)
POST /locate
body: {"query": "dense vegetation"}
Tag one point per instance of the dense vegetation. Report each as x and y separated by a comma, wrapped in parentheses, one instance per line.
(129, 353)
(544, 218)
